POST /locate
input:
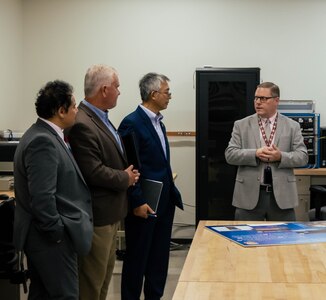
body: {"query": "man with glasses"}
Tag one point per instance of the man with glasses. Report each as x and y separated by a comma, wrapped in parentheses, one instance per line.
(148, 232)
(266, 146)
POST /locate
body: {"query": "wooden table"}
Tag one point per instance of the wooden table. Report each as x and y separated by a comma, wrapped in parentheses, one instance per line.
(310, 172)
(217, 268)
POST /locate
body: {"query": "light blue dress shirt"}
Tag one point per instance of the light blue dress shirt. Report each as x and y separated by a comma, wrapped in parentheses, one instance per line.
(156, 121)
(104, 116)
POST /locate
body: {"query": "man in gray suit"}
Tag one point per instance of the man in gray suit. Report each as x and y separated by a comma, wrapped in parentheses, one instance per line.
(53, 216)
(266, 146)
(101, 157)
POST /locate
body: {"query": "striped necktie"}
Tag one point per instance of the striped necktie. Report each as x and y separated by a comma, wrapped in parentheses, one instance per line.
(267, 129)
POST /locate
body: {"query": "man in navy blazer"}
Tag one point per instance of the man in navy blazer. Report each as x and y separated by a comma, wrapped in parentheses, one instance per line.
(53, 214)
(148, 232)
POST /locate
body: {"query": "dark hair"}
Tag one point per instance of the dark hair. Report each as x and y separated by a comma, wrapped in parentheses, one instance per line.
(275, 90)
(149, 83)
(51, 97)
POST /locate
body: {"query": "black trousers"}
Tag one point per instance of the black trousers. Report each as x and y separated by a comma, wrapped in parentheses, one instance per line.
(147, 255)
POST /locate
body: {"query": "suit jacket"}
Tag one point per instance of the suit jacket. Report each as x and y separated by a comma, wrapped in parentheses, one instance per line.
(154, 164)
(102, 163)
(50, 190)
(241, 151)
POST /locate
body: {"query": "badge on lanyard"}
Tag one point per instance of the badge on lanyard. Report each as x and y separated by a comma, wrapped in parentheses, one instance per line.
(268, 179)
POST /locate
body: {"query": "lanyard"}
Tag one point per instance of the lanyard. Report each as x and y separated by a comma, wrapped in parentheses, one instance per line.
(262, 130)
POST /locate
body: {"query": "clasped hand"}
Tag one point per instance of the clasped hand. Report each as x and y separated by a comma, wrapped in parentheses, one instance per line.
(269, 154)
(133, 175)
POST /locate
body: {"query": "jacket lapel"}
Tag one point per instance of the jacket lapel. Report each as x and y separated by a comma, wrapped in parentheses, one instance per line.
(256, 130)
(151, 129)
(253, 123)
(62, 143)
(279, 128)
(98, 122)
(68, 151)
(167, 148)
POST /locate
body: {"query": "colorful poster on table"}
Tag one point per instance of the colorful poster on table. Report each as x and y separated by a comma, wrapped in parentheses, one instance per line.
(268, 234)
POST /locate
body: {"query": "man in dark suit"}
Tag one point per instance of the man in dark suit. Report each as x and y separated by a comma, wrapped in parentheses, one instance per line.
(266, 146)
(148, 233)
(53, 217)
(100, 155)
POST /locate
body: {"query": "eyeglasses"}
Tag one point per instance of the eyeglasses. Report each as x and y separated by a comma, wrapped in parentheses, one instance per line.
(165, 93)
(262, 98)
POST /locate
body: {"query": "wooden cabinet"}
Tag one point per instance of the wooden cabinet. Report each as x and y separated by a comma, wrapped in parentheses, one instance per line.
(306, 178)
(303, 185)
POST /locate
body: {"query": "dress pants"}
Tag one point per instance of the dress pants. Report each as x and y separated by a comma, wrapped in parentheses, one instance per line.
(266, 209)
(147, 255)
(52, 266)
(96, 268)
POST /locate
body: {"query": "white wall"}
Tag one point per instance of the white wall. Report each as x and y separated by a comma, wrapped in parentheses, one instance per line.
(285, 38)
(11, 82)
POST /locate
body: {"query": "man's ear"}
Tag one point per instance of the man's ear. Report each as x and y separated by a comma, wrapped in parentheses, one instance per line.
(61, 112)
(103, 90)
(152, 95)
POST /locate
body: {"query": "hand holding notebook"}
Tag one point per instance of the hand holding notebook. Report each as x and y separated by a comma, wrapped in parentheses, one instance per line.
(151, 190)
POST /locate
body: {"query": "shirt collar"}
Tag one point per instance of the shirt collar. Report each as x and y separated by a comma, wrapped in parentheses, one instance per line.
(271, 119)
(56, 128)
(153, 116)
(103, 115)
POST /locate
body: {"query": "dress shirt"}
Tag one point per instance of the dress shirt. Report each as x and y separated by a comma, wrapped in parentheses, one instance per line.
(57, 129)
(104, 116)
(271, 124)
(156, 121)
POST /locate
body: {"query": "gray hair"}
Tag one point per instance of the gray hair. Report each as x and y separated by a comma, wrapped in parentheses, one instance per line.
(96, 76)
(149, 83)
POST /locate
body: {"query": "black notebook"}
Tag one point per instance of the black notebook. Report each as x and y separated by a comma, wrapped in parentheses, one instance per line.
(129, 141)
(151, 192)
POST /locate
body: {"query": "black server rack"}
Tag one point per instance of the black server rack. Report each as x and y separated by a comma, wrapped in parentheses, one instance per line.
(310, 128)
(322, 140)
(223, 95)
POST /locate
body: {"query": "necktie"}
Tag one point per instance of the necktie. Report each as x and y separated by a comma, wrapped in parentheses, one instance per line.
(267, 129)
(267, 170)
(65, 139)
